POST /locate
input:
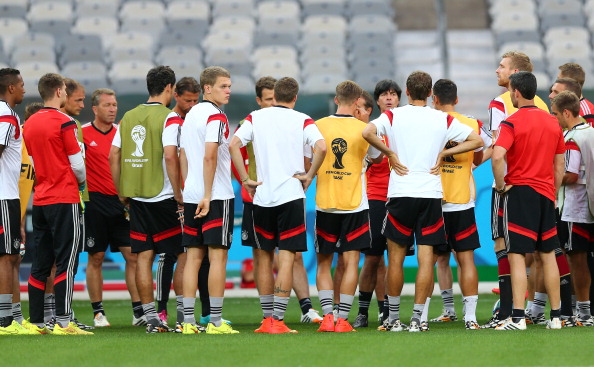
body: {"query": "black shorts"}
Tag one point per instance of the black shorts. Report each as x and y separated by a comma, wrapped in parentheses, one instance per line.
(461, 231)
(580, 236)
(496, 215)
(248, 236)
(10, 227)
(155, 226)
(377, 214)
(105, 224)
(216, 229)
(281, 226)
(409, 219)
(528, 221)
(342, 232)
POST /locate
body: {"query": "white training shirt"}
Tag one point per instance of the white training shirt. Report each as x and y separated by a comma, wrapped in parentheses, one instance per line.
(11, 137)
(575, 205)
(206, 123)
(417, 135)
(169, 138)
(278, 135)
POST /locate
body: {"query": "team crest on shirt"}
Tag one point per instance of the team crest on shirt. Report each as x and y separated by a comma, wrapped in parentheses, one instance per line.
(339, 147)
(244, 235)
(90, 242)
(138, 136)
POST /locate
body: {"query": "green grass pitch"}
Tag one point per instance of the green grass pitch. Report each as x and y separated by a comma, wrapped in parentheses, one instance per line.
(447, 344)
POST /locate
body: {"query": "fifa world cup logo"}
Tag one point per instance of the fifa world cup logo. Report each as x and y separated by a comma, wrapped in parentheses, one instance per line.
(339, 147)
(138, 136)
(450, 159)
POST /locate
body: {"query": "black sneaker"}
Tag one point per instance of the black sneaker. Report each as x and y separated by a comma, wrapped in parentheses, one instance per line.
(158, 328)
(361, 321)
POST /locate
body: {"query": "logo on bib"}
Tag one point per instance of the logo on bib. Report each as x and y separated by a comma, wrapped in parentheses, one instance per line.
(339, 147)
(138, 136)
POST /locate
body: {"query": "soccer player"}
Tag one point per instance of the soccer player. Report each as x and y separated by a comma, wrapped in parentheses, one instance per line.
(264, 99)
(12, 92)
(145, 169)
(105, 216)
(341, 205)
(459, 196)
(386, 95)
(186, 95)
(531, 142)
(499, 109)
(58, 227)
(208, 197)
(415, 191)
(577, 73)
(576, 199)
(562, 84)
(279, 207)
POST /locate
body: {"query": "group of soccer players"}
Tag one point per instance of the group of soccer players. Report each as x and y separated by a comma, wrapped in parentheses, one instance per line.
(159, 182)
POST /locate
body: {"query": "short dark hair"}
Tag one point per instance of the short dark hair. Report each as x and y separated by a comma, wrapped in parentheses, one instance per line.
(348, 92)
(446, 90)
(419, 84)
(8, 77)
(369, 103)
(285, 90)
(71, 86)
(32, 108)
(567, 100)
(571, 85)
(158, 78)
(187, 84)
(265, 82)
(48, 84)
(573, 71)
(524, 82)
(384, 86)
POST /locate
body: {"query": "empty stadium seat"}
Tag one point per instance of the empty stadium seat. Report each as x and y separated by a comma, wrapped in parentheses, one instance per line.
(233, 8)
(33, 54)
(323, 7)
(97, 8)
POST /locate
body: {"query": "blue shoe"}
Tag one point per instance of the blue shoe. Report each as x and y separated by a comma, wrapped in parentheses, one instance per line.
(206, 320)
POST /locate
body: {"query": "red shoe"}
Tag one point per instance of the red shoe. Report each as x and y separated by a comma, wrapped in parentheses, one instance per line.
(265, 326)
(279, 327)
(343, 326)
(328, 323)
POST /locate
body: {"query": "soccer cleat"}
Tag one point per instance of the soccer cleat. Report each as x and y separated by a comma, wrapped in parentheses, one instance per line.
(537, 320)
(509, 324)
(492, 323)
(446, 316)
(471, 325)
(71, 329)
(554, 323)
(398, 326)
(385, 326)
(361, 321)
(157, 328)
(223, 329)
(311, 316)
(380, 317)
(327, 324)
(279, 327)
(163, 316)
(9, 330)
(190, 329)
(264, 326)
(21, 330)
(138, 321)
(100, 320)
(34, 329)
(82, 326)
(206, 319)
(589, 321)
(50, 324)
(571, 322)
(415, 326)
(343, 326)
(424, 326)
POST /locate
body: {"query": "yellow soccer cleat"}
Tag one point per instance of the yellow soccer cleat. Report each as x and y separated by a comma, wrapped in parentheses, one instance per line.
(190, 329)
(22, 330)
(10, 329)
(71, 329)
(223, 329)
(34, 329)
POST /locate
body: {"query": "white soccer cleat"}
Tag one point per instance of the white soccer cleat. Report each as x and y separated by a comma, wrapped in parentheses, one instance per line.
(311, 316)
(554, 323)
(100, 320)
(509, 324)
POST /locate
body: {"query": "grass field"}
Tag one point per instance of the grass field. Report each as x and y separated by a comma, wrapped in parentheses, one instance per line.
(446, 344)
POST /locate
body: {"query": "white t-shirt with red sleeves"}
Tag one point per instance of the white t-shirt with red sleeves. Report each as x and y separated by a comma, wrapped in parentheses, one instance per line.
(278, 134)
(575, 204)
(417, 135)
(11, 138)
(170, 137)
(206, 123)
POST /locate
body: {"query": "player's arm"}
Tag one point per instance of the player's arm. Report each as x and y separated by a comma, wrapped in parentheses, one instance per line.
(559, 166)
(209, 169)
(242, 174)
(319, 153)
(370, 134)
(573, 162)
(73, 151)
(172, 167)
(183, 164)
(498, 165)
